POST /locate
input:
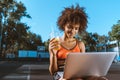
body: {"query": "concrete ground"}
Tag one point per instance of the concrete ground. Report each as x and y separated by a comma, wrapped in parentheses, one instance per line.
(39, 71)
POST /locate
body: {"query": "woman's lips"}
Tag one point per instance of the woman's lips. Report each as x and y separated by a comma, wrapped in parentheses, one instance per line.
(70, 34)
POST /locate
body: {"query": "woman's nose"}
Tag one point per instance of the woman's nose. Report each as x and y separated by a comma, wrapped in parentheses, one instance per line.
(73, 30)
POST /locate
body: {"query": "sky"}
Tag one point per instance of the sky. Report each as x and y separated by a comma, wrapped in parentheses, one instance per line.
(102, 15)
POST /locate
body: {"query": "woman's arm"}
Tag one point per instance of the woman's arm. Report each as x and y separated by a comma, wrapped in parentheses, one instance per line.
(53, 63)
(53, 58)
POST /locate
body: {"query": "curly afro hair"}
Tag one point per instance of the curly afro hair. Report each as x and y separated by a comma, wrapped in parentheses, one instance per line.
(73, 15)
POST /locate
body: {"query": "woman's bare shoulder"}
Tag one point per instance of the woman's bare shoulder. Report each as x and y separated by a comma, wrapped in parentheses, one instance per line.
(81, 46)
(80, 42)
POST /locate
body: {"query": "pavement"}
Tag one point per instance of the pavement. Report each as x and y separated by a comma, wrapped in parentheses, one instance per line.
(114, 72)
(15, 70)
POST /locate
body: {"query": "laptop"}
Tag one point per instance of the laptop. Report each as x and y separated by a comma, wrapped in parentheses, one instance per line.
(88, 64)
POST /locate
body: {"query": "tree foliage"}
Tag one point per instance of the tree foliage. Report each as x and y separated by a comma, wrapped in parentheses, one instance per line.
(13, 32)
(115, 32)
(32, 41)
(93, 41)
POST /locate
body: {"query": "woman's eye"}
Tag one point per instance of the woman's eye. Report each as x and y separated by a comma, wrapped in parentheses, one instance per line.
(69, 27)
(76, 28)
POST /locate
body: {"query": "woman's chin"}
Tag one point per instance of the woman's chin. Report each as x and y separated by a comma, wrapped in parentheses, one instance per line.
(70, 36)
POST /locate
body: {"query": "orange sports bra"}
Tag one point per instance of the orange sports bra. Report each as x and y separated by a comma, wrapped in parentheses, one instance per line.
(62, 52)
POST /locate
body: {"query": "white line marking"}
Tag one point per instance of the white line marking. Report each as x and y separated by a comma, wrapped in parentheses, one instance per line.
(28, 76)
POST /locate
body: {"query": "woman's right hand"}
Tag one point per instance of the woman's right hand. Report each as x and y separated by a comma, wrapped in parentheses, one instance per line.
(54, 45)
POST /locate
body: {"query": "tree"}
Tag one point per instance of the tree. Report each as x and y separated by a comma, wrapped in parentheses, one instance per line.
(115, 32)
(93, 41)
(13, 31)
(32, 41)
(46, 43)
(90, 41)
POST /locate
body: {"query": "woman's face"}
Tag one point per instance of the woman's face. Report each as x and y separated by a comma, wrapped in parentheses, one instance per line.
(71, 30)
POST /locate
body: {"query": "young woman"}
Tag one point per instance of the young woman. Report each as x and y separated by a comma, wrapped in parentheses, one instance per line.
(72, 21)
